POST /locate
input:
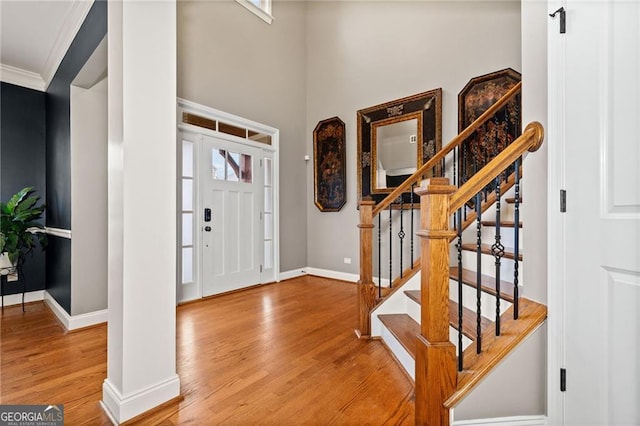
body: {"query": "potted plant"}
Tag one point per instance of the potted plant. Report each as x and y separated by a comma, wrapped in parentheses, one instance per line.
(19, 230)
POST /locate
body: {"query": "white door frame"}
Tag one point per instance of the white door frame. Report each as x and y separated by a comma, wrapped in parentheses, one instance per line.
(556, 231)
(195, 133)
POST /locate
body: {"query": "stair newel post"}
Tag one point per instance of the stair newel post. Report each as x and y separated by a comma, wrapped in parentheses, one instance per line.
(366, 287)
(436, 356)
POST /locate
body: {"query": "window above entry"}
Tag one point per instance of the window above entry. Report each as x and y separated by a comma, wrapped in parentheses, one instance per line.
(261, 8)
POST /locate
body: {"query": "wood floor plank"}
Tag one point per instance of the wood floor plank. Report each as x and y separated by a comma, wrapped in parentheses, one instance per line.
(278, 354)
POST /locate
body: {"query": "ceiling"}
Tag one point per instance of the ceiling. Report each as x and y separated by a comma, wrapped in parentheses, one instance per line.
(34, 36)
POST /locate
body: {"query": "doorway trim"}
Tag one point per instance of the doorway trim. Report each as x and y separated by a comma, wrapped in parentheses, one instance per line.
(213, 118)
(556, 229)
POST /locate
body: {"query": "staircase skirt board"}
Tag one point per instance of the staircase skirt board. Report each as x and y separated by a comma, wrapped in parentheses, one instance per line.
(496, 348)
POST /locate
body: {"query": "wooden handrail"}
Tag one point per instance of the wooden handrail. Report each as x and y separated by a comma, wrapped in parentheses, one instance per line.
(440, 155)
(530, 140)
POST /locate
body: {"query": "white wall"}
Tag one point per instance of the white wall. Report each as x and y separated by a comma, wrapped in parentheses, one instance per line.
(231, 60)
(534, 184)
(89, 198)
(360, 54)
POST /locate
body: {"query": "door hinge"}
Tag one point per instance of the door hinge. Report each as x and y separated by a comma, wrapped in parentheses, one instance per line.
(563, 379)
(260, 268)
(563, 19)
(261, 162)
(563, 201)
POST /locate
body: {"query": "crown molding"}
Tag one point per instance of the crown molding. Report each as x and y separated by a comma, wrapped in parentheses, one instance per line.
(20, 77)
(71, 25)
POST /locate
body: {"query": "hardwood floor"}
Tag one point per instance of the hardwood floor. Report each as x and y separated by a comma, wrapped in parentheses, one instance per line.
(278, 354)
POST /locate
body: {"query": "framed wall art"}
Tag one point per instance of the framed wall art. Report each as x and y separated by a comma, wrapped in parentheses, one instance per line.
(394, 140)
(486, 142)
(329, 165)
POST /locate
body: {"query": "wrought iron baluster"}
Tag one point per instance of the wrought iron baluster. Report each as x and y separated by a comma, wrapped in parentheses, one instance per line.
(462, 173)
(455, 166)
(478, 272)
(516, 239)
(390, 246)
(413, 187)
(401, 233)
(497, 249)
(379, 254)
(460, 307)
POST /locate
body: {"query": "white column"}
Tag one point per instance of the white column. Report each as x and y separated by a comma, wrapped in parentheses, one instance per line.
(141, 362)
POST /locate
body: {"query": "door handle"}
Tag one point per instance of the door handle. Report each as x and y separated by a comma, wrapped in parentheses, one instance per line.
(207, 215)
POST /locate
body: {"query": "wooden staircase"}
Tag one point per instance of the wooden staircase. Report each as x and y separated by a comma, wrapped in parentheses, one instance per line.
(423, 336)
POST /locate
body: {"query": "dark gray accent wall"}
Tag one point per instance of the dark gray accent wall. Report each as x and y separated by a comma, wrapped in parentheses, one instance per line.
(22, 161)
(58, 151)
(58, 270)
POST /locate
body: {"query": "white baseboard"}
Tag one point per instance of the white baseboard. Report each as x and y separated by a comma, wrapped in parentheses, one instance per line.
(294, 273)
(505, 421)
(16, 299)
(121, 408)
(74, 322)
(344, 276)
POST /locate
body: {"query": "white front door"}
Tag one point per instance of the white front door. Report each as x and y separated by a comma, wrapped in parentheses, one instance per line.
(601, 279)
(231, 203)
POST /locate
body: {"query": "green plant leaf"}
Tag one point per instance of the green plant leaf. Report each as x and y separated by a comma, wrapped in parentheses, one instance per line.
(26, 204)
(17, 216)
(18, 197)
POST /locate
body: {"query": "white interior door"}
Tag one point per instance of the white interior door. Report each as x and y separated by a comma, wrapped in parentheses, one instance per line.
(602, 223)
(230, 217)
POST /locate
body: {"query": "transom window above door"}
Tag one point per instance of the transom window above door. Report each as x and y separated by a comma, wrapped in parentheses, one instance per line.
(261, 8)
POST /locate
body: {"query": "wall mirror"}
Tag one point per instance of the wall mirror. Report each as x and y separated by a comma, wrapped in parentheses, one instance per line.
(394, 140)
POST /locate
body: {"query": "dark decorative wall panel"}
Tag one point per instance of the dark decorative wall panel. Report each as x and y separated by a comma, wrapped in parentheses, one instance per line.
(22, 160)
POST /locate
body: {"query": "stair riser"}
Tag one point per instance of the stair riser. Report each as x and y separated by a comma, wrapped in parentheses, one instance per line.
(469, 261)
(400, 353)
(507, 236)
(413, 310)
(488, 301)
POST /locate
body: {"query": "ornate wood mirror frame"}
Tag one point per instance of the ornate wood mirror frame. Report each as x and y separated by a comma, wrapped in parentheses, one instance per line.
(395, 139)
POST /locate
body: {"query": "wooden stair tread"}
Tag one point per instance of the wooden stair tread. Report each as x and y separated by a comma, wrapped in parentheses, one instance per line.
(404, 328)
(512, 200)
(497, 348)
(503, 223)
(487, 283)
(486, 249)
(469, 318)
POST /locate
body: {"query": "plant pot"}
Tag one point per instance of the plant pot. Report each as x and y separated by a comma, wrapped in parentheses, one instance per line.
(6, 267)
